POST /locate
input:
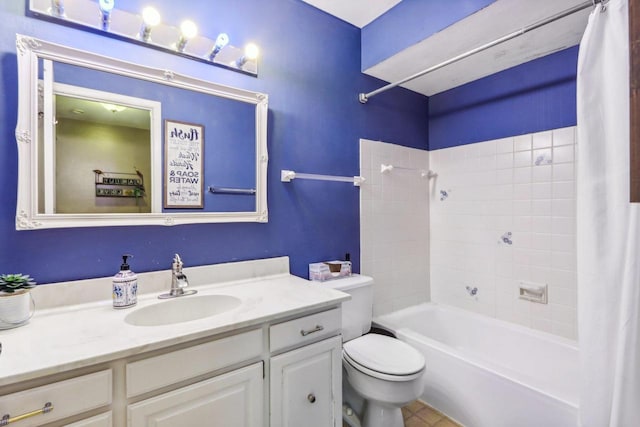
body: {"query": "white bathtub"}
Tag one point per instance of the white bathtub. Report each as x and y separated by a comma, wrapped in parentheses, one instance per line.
(484, 372)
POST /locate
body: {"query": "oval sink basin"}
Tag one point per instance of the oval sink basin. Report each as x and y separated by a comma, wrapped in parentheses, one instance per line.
(182, 309)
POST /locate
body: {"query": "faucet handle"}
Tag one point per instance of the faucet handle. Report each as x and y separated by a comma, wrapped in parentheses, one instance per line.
(177, 263)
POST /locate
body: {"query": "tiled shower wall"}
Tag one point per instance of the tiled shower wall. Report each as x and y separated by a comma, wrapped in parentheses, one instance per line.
(525, 186)
(394, 224)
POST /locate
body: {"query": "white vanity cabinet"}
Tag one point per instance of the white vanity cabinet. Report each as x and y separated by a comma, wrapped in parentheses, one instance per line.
(306, 381)
(281, 373)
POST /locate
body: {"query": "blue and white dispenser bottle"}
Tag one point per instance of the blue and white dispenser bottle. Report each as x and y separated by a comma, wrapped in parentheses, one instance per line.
(125, 286)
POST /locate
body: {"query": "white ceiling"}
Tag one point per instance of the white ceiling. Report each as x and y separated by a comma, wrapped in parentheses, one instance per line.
(356, 12)
(87, 110)
(496, 20)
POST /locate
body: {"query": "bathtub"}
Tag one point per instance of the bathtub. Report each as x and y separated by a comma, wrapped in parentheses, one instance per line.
(484, 372)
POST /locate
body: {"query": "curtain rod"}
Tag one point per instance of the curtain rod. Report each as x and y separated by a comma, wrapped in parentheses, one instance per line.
(364, 97)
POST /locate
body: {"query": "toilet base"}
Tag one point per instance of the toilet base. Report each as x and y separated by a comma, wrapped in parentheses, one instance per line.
(379, 415)
(376, 400)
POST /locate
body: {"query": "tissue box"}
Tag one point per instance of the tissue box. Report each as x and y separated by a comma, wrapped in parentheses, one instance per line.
(328, 270)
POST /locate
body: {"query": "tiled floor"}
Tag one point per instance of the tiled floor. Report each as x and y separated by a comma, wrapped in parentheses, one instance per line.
(417, 414)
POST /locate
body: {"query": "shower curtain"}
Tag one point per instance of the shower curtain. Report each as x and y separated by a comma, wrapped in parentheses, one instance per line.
(608, 227)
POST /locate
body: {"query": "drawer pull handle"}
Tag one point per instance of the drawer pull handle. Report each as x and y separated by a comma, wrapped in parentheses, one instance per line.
(311, 398)
(6, 419)
(318, 328)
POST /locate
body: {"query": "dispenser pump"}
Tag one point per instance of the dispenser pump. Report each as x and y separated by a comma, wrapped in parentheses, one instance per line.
(125, 266)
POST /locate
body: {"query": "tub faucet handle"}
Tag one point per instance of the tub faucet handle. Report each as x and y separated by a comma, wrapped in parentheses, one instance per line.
(506, 238)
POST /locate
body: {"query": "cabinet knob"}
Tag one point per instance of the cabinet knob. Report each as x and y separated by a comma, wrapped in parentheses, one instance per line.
(311, 398)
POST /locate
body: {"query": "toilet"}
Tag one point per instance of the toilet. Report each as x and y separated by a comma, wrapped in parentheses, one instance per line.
(380, 373)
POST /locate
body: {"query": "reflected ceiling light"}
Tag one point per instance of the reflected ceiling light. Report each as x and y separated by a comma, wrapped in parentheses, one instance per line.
(106, 6)
(150, 18)
(221, 41)
(251, 52)
(188, 30)
(113, 107)
(57, 8)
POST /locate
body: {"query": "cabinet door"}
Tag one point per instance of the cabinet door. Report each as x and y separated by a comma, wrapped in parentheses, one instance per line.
(231, 400)
(306, 387)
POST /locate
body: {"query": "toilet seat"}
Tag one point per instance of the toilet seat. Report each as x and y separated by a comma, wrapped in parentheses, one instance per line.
(384, 357)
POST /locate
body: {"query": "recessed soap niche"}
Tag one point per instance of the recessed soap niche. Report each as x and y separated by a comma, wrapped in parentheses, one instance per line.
(534, 292)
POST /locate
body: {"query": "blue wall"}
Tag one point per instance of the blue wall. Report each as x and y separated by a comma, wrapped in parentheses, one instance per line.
(310, 67)
(410, 22)
(532, 97)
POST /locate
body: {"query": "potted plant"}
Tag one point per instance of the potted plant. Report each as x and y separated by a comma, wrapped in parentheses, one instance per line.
(15, 300)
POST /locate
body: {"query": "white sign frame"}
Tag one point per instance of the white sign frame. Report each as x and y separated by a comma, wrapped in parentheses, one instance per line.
(183, 165)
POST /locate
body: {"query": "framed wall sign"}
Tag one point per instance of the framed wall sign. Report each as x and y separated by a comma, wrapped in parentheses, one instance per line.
(183, 180)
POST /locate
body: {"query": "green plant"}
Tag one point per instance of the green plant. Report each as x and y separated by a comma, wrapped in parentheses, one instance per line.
(9, 283)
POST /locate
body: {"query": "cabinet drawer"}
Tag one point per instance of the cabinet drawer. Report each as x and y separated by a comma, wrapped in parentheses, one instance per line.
(69, 397)
(305, 329)
(160, 371)
(102, 420)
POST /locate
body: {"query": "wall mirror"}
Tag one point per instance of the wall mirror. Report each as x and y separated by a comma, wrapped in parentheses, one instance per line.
(104, 142)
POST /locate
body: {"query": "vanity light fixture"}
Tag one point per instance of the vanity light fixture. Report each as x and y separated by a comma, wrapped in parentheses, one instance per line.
(251, 53)
(188, 30)
(150, 18)
(146, 27)
(106, 6)
(57, 8)
(221, 41)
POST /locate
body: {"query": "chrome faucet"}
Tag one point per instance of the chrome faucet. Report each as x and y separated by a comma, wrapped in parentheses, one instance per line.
(179, 281)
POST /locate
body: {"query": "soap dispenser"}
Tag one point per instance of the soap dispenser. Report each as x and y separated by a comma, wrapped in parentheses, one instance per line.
(125, 286)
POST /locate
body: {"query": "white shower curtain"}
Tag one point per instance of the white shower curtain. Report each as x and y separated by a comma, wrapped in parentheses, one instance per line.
(608, 227)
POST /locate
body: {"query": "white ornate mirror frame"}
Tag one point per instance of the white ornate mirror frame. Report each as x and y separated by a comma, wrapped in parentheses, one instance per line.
(28, 217)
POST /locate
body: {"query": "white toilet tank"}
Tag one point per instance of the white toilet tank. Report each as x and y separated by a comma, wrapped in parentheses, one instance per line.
(358, 311)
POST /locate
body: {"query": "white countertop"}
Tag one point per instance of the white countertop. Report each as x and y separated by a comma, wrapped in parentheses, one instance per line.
(69, 337)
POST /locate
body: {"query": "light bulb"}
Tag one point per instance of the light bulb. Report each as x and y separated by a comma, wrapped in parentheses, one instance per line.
(150, 18)
(251, 53)
(221, 41)
(188, 30)
(106, 6)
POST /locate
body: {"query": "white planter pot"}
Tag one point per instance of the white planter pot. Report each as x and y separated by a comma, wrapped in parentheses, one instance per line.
(15, 309)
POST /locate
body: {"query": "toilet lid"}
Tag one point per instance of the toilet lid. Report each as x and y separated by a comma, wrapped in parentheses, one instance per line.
(384, 354)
